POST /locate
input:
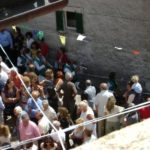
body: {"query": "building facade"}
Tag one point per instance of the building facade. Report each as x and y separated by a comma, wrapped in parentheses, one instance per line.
(117, 35)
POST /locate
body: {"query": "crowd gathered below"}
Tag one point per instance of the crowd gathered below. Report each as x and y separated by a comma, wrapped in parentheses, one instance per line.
(40, 97)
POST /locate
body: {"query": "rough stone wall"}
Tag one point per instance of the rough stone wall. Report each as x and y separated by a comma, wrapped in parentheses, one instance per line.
(135, 137)
(107, 23)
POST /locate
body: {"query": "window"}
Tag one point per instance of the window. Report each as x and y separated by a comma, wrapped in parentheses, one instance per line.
(70, 20)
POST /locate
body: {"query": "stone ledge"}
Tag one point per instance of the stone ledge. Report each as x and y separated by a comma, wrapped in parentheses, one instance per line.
(134, 137)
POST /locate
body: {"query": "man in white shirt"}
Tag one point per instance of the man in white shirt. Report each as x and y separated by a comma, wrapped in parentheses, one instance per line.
(87, 114)
(43, 123)
(49, 111)
(62, 134)
(91, 92)
(100, 101)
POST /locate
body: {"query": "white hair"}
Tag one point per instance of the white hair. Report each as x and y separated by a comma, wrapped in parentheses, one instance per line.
(68, 76)
(83, 104)
(14, 69)
(135, 78)
(45, 102)
(56, 123)
(18, 109)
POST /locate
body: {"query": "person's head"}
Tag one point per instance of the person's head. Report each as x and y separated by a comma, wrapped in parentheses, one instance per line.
(4, 130)
(57, 124)
(34, 45)
(25, 118)
(48, 143)
(45, 104)
(62, 49)
(78, 121)
(26, 50)
(135, 78)
(26, 80)
(63, 112)
(35, 94)
(87, 133)
(9, 83)
(29, 145)
(13, 72)
(88, 82)
(17, 111)
(31, 67)
(68, 76)
(33, 77)
(111, 103)
(38, 115)
(59, 74)
(83, 105)
(18, 30)
(129, 85)
(103, 86)
(29, 35)
(49, 74)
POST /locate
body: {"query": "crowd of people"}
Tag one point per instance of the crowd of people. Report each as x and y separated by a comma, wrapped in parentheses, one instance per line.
(40, 98)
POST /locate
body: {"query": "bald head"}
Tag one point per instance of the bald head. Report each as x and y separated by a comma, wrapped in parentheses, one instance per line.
(88, 82)
(103, 86)
(35, 94)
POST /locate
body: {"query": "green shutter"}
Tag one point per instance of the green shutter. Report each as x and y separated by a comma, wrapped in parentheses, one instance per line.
(59, 20)
(79, 24)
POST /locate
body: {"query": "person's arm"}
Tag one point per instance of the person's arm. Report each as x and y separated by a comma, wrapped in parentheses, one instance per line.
(19, 62)
(74, 90)
(36, 131)
(131, 98)
(6, 99)
(96, 104)
(5, 67)
(2, 106)
(15, 99)
(90, 117)
(38, 67)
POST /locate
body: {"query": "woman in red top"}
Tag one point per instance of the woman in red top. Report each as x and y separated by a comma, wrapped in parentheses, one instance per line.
(145, 112)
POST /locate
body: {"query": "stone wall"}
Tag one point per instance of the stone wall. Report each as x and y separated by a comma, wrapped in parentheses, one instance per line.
(135, 137)
(107, 24)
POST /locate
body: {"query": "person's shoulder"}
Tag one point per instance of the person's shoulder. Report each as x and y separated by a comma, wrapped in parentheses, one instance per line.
(119, 108)
(29, 100)
(32, 124)
(51, 109)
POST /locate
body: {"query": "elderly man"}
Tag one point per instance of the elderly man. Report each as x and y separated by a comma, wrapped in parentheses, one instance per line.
(100, 101)
(43, 123)
(17, 112)
(32, 107)
(62, 134)
(27, 128)
(90, 91)
(49, 111)
(70, 92)
(87, 114)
